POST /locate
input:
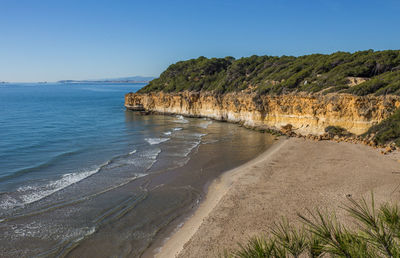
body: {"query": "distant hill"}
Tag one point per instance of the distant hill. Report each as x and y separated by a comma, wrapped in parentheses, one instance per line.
(131, 79)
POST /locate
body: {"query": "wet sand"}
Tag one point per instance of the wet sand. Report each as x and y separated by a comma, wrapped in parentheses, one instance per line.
(293, 175)
(117, 213)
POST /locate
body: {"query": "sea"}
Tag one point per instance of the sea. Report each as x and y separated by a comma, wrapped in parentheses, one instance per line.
(81, 176)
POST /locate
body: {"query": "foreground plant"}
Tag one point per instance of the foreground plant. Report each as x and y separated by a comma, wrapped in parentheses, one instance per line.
(376, 233)
(293, 240)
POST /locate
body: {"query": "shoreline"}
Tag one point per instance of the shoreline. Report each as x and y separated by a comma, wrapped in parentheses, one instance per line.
(256, 144)
(287, 130)
(174, 244)
(291, 176)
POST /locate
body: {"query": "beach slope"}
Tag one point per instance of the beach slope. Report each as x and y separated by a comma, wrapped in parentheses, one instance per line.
(293, 175)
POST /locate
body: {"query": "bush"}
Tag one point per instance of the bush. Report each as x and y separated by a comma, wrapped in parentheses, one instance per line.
(376, 233)
(279, 75)
(388, 130)
(337, 130)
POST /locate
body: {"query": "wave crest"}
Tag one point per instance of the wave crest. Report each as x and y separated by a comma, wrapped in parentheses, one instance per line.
(153, 141)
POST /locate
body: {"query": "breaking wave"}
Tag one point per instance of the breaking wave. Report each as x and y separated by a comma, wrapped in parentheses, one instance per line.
(33, 193)
(153, 141)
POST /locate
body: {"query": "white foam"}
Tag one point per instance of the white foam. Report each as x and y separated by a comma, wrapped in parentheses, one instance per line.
(138, 175)
(85, 233)
(132, 152)
(153, 141)
(151, 153)
(167, 133)
(144, 160)
(34, 193)
(189, 150)
(37, 193)
(205, 124)
(152, 156)
(193, 145)
(181, 120)
(210, 141)
(177, 128)
(32, 229)
(186, 150)
(198, 135)
(8, 202)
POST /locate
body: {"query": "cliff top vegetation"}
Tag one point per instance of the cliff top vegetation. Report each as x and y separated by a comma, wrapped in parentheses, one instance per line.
(359, 73)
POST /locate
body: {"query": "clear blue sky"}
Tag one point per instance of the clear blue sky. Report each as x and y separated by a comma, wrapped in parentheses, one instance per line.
(49, 40)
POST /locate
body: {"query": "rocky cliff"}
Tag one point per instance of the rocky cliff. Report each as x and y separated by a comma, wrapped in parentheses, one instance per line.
(307, 113)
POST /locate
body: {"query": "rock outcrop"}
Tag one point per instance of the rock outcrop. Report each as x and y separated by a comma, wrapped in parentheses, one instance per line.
(305, 113)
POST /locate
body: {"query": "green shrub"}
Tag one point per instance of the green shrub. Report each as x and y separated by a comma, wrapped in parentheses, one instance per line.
(388, 130)
(375, 233)
(278, 75)
(337, 130)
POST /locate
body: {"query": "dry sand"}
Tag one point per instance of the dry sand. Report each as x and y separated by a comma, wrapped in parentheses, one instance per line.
(293, 175)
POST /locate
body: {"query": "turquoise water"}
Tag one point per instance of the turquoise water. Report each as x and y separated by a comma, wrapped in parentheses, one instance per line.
(48, 131)
(82, 176)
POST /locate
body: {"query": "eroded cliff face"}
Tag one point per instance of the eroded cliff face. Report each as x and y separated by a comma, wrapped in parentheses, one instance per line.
(308, 114)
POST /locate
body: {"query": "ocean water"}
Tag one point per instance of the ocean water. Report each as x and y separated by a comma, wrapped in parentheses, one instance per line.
(81, 176)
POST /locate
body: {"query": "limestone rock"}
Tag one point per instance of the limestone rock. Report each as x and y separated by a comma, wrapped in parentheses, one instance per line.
(308, 113)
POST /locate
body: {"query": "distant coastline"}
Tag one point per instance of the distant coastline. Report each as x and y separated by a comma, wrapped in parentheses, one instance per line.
(112, 81)
(133, 79)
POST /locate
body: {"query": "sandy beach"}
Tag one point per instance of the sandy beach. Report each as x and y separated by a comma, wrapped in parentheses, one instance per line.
(293, 175)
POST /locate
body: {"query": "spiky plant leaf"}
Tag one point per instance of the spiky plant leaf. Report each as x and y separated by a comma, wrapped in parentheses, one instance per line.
(259, 247)
(291, 238)
(372, 227)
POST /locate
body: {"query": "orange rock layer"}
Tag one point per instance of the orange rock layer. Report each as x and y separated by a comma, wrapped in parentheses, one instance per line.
(307, 113)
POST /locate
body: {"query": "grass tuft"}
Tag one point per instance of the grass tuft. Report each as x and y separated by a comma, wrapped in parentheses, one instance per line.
(376, 233)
